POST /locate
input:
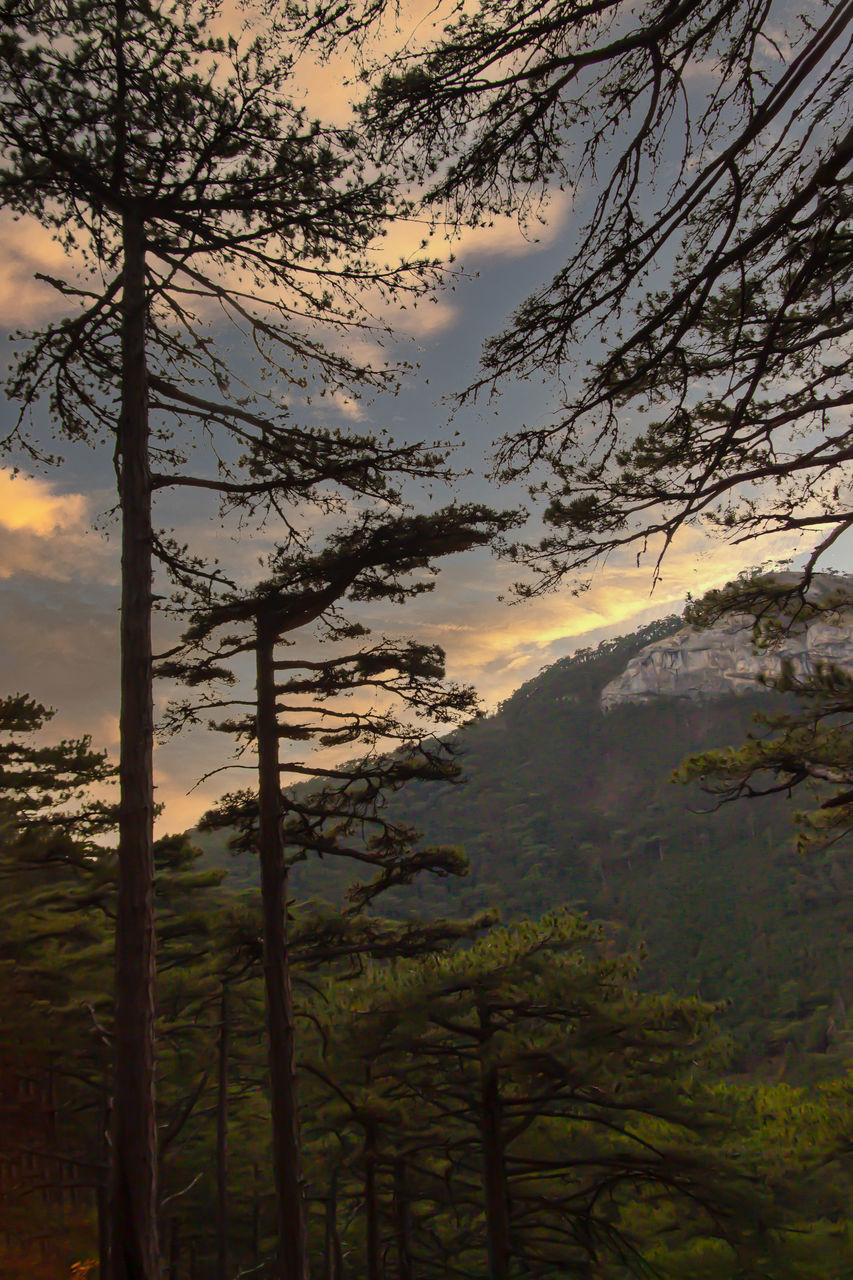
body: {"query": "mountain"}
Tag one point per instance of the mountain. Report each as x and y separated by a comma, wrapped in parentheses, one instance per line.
(565, 801)
(709, 662)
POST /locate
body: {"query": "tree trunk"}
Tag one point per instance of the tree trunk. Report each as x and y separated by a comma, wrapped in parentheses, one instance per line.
(102, 1189)
(331, 1247)
(256, 1219)
(222, 1141)
(134, 1254)
(494, 1161)
(102, 1213)
(287, 1163)
(371, 1204)
(55, 1192)
(402, 1221)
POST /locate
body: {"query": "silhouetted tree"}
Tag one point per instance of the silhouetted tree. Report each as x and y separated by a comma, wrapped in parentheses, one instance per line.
(708, 280)
(378, 558)
(175, 164)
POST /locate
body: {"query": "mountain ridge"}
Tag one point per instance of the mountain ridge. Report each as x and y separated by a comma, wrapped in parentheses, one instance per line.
(698, 663)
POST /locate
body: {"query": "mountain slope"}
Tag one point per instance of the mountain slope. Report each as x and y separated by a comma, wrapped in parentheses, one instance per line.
(564, 802)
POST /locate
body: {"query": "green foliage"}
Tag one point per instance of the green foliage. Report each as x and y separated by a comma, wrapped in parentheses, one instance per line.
(57, 907)
(591, 1094)
(240, 194)
(809, 749)
(562, 803)
(38, 782)
(381, 698)
(608, 1097)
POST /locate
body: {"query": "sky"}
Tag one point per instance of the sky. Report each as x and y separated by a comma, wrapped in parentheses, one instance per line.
(58, 532)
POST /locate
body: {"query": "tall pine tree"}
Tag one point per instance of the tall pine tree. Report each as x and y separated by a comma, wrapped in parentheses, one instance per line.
(176, 165)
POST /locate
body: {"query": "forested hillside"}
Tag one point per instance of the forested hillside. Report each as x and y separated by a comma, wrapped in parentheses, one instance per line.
(534, 1094)
(563, 1016)
(565, 804)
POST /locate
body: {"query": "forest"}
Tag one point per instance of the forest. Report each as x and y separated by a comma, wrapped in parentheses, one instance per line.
(435, 993)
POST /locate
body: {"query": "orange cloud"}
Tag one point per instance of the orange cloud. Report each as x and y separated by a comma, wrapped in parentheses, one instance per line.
(497, 646)
(329, 88)
(30, 248)
(29, 503)
(493, 645)
(46, 533)
(503, 236)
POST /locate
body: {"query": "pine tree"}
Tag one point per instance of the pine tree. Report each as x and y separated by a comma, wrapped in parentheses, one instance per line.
(532, 1097)
(57, 905)
(53, 885)
(805, 746)
(379, 558)
(179, 169)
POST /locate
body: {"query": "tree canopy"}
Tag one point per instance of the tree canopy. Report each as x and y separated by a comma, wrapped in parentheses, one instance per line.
(707, 284)
(198, 203)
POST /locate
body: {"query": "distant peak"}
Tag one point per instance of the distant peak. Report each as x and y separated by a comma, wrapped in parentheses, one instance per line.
(699, 663)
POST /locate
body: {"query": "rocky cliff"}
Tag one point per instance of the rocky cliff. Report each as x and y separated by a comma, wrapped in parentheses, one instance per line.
(700, 663)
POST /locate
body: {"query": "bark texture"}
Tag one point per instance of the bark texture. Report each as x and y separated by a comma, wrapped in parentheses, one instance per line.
(494, 1161)
(134, 1252)
(402, 1221)
(332, 1260)
(371, 1203)
(292, 1263)
(222, 1140)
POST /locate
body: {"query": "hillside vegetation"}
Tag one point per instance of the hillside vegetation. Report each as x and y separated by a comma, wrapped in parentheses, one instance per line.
(563, 803)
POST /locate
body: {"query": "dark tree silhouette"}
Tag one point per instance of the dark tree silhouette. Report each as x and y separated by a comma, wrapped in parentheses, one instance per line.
(341, 816)
(176, 166)
(708, 282)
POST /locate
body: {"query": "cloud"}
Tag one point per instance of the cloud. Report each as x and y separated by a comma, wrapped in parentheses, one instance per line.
(46, 533)
(59, 642)
(423, 319)
(406, 241)
(27, 502)
(489, 643)
(331, 87)
(29, 249)
(505, 237)
(346, 406)
(59, 638)
(177, 769)
(497, 646)
(502, 236)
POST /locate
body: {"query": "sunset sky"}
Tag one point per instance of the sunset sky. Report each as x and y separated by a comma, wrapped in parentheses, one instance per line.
(59, 551)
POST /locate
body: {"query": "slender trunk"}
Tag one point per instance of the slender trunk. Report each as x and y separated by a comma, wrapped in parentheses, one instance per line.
(134, 1254)
(330, 1242)
(371, 1204)
(222, 1141)
(256, 1219)
(102, 1189)
(52, 1109)
(102, 1213)
(494, 1161)
(402, 1221)
(52, 1136)
(287, 1163)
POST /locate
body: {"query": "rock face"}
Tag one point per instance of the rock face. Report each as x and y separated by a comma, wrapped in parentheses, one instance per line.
(699, 663)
